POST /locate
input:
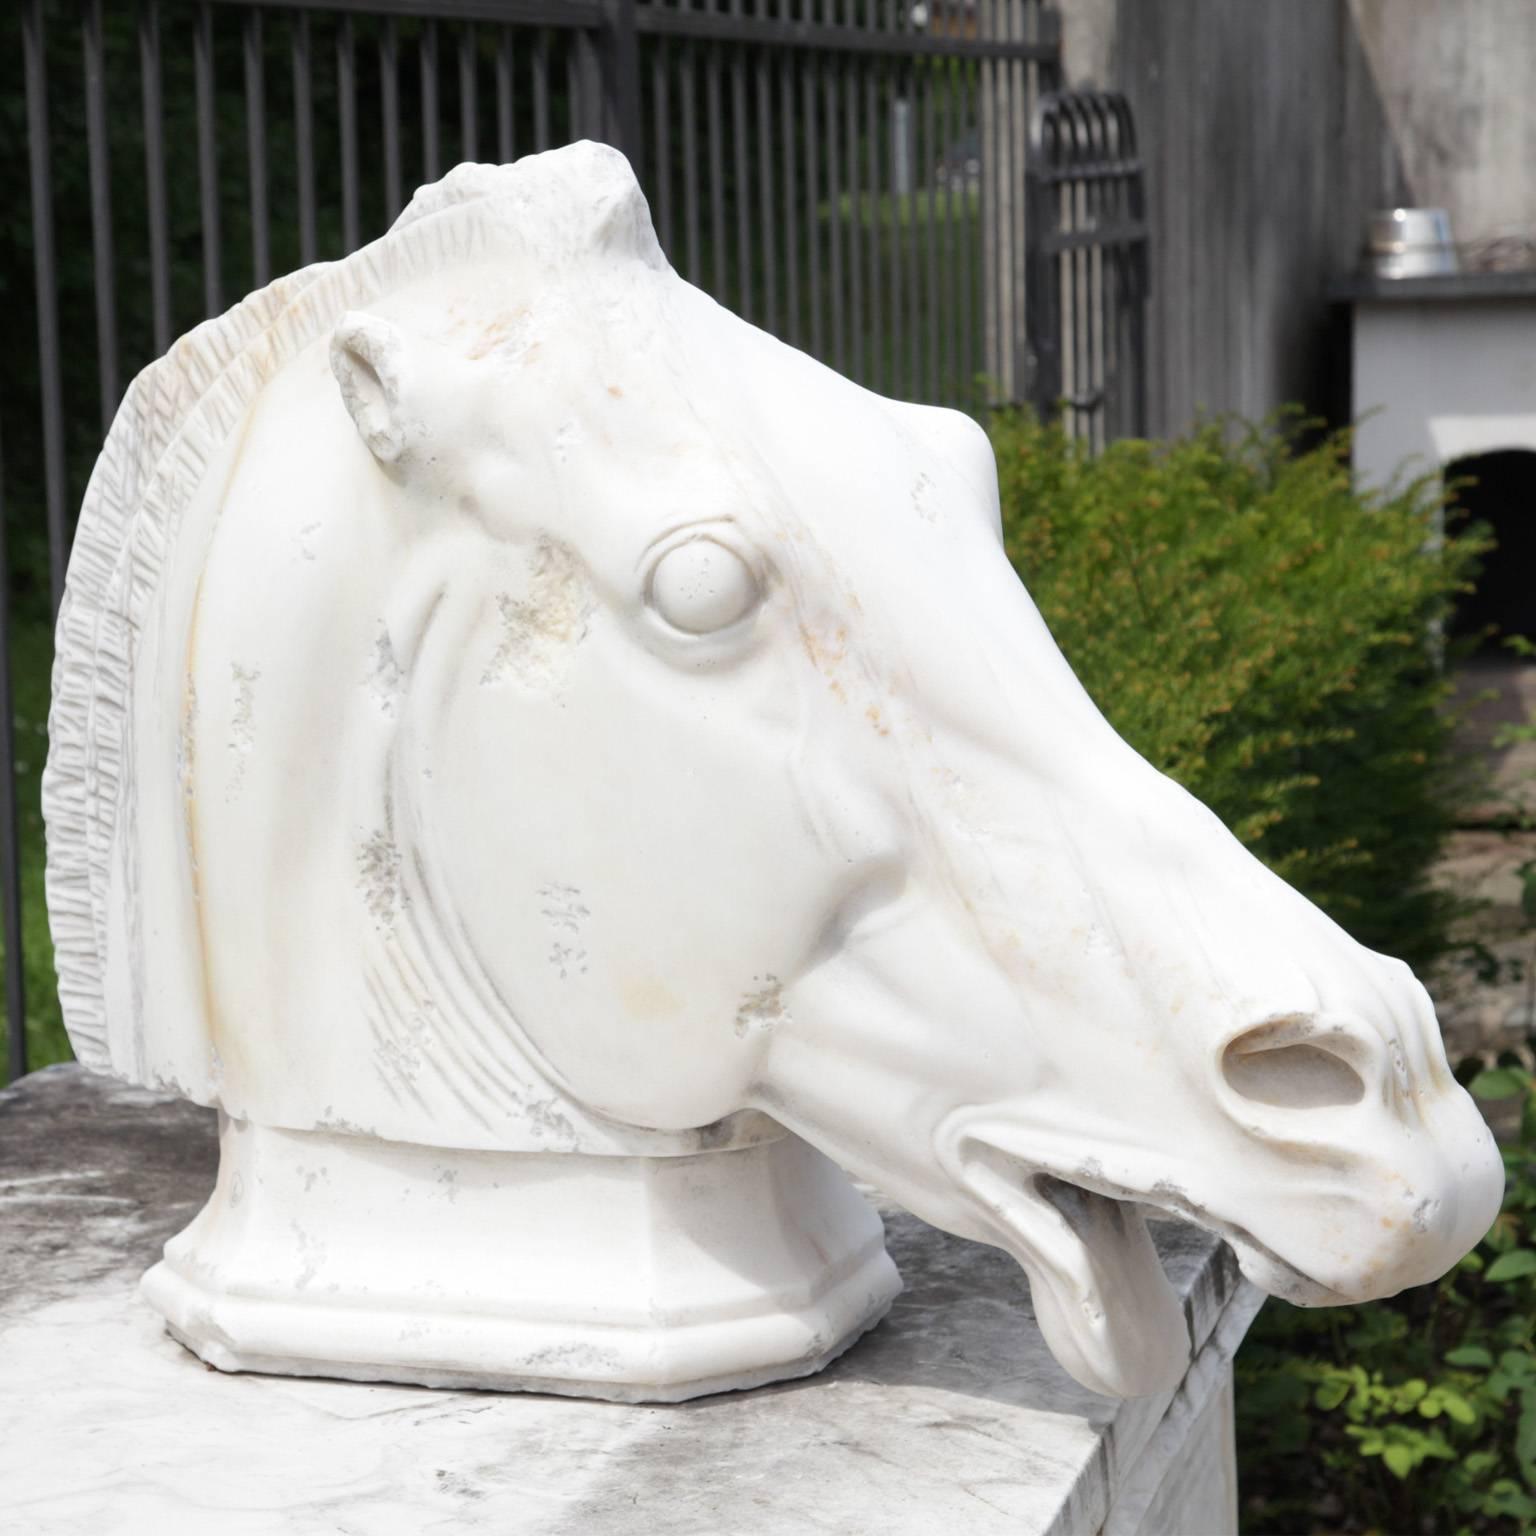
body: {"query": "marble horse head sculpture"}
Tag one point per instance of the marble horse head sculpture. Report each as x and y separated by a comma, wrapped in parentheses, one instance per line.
(568, 775)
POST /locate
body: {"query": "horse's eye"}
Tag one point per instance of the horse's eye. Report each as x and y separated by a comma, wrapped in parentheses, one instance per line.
(702, 586)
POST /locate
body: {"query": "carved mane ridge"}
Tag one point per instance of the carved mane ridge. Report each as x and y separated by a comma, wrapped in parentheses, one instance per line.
(174, 420)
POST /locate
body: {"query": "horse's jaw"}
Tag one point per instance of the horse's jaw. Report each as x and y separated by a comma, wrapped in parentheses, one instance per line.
(1009, 1115)
(1101, 1297)
(1386, 1207)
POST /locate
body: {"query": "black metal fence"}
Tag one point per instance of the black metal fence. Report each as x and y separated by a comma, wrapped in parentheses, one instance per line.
(849, 174)
(1087, 281)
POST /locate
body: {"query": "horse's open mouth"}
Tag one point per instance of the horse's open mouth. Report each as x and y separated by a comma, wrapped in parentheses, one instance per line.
(1103, 1302)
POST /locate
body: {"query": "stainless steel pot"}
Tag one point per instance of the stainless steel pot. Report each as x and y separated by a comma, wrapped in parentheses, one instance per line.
(1410, 242)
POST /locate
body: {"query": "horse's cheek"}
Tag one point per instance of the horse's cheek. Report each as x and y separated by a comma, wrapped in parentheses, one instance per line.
(625, 907)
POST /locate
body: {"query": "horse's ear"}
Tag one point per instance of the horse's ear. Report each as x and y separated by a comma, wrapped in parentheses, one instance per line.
(369, 359)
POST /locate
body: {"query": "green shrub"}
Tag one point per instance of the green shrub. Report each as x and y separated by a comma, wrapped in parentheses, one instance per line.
(1415, 1414)
(1260, 631)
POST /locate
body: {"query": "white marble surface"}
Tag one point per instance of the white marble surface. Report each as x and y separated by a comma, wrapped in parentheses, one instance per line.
(505, 704)
(1438, 381)
(951, 1417)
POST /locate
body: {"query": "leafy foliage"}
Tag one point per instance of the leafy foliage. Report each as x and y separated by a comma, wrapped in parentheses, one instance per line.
(1262, 632)
(1416, 1414)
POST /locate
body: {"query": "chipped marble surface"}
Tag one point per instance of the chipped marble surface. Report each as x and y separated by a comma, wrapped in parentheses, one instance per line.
(508, 707)
(951, 1416)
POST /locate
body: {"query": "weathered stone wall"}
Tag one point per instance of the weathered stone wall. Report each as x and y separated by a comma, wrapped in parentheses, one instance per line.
(1455, 78)
(1271, 130)
(1266, 146)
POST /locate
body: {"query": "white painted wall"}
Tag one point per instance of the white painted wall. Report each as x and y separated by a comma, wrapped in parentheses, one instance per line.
(1441, 381)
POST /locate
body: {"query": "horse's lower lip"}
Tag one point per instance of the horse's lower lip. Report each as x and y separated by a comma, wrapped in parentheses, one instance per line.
(1259, 1263)
(1267, 1270)
(1101, 1297)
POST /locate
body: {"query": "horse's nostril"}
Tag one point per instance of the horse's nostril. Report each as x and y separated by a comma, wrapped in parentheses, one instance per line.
(1289, 1074)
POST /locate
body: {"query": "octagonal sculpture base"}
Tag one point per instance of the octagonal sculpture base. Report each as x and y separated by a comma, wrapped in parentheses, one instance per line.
(636, 1279)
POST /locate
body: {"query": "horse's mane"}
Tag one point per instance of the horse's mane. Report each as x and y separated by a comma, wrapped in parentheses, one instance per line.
(174, 421)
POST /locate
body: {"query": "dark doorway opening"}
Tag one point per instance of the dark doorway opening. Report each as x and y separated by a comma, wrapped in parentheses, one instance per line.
(1499, 489)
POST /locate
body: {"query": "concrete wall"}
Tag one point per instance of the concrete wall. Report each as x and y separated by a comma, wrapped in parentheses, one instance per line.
(1266, 146)
(1439, 382)
(1088, 31)
(1271, 129)
(1457, 79)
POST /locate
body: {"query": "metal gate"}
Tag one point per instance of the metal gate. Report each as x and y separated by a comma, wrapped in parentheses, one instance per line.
(849, 174)
(1087, 288)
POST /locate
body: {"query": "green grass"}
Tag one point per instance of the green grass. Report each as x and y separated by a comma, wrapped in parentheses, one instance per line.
(31, 667)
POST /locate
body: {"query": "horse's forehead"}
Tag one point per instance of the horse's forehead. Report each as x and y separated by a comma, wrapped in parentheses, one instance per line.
(627, 382)
(628, 331)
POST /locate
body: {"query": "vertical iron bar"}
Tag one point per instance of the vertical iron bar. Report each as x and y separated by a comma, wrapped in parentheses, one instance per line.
(953, 389)
(992, 209)
(835, 210)
(810, 87)
(661, 132)
(1042, 301)
(1139, 275)
(469, 96)
(787, 71)
(104, 264)
(256, 147)
(578, 100)
(1008, 163)
(45, 278)
(900, 197)
(428, 61)
(1002, 221)
(691, 161)
(304, 137)
(931, 392)
(1060, 278)
(10, 839)
(617, 74)
(1128, 364)
(389, 102)
(541, 90)
(716, 169)
(765, 242)
(346, 91)
(746, 306)
(505, 142)
(1017, 127)
(1092, 318)
(874, 81)
(1066, 276)
(586, 73)
(970, 204)
(1074, 261)
(154, 174)
(1081, 382)
(913, 235)
(852, 79)
(1095, 318)
(207, 156)
(1007, 15)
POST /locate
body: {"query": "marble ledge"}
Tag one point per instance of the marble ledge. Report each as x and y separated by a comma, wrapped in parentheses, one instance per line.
(951, 1416)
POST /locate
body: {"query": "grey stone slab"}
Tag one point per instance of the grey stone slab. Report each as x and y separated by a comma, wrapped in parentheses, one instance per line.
(1447, 288)
(950, 1417)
